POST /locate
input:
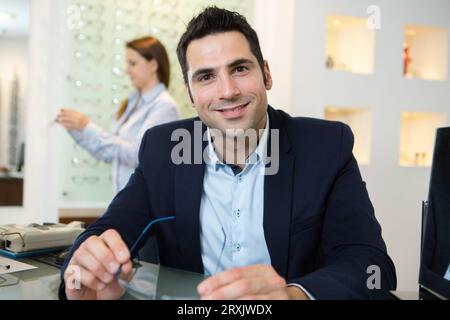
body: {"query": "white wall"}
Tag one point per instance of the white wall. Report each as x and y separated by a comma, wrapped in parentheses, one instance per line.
(47, 17)
(274, 23)
(396, 192)
(13, 59)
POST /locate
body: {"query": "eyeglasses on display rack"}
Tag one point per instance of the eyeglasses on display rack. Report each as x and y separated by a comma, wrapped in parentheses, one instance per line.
(171, 4)
(90, 9)
(118, 57)
(118, 72)
(95, 117)
(128, 4)
(87, 101)
(85, 56)
(120, 87)
(85, 180)
(96, 49)
(91, 25)
(96, 86)
(83, 38)
(128, 15)
(166, 18)
(79, 162)
(118, 41)
(162, 32)
(127, 28)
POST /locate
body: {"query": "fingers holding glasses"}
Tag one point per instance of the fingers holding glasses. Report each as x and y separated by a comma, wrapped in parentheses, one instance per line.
(91, 263)
(116, 245)
(97, 261)
(89, 287)
(120, 254)
(102, 256)
(89, 280)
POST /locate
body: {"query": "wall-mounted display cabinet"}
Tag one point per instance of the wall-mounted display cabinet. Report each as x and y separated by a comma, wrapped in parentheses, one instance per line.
(360, 121)
(417, 135)
(350, 44)
(425, 52)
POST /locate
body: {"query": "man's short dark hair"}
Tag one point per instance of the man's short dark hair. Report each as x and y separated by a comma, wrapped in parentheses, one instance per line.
(215, 20)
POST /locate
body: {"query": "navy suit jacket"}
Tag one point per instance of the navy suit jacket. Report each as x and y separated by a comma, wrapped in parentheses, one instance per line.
(319, 223)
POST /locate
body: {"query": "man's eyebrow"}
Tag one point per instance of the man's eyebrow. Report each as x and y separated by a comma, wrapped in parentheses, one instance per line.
(231, 65)
(239, 62)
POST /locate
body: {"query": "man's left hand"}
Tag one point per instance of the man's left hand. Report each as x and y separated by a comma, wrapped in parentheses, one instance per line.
(257, 282)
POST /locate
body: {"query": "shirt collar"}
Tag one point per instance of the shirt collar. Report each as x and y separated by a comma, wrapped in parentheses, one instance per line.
(260, 151)
(149, 95)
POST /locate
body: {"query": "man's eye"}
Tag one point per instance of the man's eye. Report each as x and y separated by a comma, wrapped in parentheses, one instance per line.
(205, 77)
(241, 69)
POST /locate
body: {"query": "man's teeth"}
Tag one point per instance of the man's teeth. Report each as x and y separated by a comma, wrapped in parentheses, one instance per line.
(234, 109)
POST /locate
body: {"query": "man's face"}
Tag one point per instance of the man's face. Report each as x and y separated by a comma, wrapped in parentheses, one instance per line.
(226, 82)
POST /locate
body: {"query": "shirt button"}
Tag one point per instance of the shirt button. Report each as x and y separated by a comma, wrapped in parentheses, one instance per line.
(238, 247)
(238, 213)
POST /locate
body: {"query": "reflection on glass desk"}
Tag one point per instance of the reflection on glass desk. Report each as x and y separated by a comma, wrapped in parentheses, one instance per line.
(42, 283)
(36, 284)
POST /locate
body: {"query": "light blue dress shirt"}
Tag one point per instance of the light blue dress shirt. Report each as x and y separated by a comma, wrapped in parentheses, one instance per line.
(232, 212)
(120, 145)
(447, 274)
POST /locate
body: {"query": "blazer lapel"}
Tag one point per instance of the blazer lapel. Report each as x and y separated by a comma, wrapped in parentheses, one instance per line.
(188, 193)
(278, 199)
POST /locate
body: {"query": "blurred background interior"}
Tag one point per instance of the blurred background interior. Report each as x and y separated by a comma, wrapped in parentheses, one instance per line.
(380, 66)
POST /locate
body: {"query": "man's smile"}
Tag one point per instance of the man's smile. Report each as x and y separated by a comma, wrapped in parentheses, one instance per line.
(233, 112)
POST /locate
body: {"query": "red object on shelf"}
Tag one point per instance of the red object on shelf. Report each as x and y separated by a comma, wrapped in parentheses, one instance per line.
(406, 59)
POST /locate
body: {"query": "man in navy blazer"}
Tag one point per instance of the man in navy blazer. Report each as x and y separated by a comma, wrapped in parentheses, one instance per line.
(314, 234)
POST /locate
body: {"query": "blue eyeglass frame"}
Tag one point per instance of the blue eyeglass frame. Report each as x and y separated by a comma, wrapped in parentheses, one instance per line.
(143, 233)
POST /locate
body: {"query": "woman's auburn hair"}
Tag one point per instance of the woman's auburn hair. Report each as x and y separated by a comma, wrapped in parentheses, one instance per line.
(151, 49)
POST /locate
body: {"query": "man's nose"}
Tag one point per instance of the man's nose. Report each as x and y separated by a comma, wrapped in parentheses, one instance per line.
(228, 88)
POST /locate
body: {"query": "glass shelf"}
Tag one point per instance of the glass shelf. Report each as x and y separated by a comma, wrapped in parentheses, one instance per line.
(417, 135)
(425, 52)
(360, 121)
(350, 45)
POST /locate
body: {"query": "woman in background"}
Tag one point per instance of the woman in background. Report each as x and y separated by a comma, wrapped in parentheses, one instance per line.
(149, 70)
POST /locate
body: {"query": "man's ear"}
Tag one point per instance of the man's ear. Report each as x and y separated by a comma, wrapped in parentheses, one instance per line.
(268, 82)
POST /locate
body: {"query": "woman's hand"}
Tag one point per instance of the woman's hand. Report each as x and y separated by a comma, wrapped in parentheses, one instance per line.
(72, 119)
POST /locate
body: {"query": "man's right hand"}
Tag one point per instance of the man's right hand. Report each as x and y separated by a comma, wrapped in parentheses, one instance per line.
(90, 274)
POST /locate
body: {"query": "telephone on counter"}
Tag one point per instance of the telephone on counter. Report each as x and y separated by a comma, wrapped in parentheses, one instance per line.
(23, 240)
